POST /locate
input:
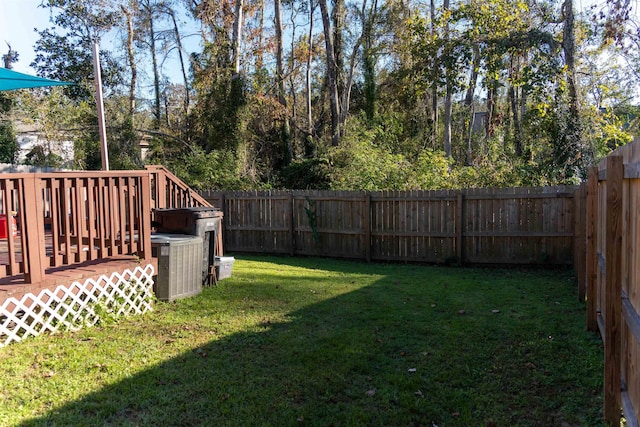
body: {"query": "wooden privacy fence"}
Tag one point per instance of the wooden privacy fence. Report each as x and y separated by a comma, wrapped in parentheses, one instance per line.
(478, 226)
(609, 274)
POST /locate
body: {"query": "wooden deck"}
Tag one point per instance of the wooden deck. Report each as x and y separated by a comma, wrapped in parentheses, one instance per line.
(15, 287)
(73, 226)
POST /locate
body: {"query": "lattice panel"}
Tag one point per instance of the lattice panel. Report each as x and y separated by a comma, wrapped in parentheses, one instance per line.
(77, 305)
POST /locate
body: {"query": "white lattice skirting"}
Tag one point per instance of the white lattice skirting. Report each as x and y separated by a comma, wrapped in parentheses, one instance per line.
(77, 305)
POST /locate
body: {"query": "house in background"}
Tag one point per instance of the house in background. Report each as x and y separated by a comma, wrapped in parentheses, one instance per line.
(32, 142)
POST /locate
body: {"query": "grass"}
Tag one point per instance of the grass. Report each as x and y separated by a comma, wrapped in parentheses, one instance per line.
(290, 341)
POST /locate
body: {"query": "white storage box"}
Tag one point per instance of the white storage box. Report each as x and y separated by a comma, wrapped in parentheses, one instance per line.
(224, 265)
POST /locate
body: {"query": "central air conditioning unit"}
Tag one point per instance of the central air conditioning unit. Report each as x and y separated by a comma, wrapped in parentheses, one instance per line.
(179, 265)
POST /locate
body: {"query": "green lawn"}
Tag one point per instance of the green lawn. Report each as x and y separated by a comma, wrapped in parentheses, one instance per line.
(290, 341)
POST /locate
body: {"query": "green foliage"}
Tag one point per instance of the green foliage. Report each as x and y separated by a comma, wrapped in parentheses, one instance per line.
(217, 116)
(606, 132)
(124, 146)
(361, 163)
(224, 127)
(58, 118)
(64, 52)
(218, 169)
(40, 156)
(8, 144)
(307, 174)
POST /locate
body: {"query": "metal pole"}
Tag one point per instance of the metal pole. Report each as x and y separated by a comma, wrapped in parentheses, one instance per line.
(99, 103)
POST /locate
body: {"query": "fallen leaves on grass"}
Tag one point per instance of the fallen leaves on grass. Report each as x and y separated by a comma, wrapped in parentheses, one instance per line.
(200, 352)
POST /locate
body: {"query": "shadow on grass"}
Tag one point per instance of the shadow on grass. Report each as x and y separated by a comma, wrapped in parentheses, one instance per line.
(398, 351)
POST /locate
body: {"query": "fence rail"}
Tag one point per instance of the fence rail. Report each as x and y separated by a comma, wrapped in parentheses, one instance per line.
(478, 226)
(609, 274)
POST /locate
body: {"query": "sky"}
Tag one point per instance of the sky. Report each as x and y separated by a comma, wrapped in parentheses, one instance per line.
(18, 18)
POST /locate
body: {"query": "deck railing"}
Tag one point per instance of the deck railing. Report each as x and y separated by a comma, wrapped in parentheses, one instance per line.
(168, 191)
(68, 218)
(60, 219)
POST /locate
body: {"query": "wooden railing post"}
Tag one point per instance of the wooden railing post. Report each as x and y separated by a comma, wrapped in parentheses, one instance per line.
(145, 219)
(613, 291)
(592, 249)
(33, 229)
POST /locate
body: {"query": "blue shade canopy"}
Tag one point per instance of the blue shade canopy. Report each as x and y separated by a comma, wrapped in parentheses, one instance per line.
(10, 80)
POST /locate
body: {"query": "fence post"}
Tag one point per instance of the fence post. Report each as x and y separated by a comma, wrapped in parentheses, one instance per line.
(367, 226)
(459, 231)
(292, 231)
(613, 291)
(33, 229)
(592, 249)
(579, 256)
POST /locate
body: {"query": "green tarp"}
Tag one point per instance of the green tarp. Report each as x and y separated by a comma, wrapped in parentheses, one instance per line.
(10, 80)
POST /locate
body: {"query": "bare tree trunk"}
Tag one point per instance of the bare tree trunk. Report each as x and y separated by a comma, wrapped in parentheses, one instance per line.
(434, 82)
(346, 94)
(515, 117)
(157, 116)
(369, 59)
(286, 130)
(10, 58)
(449, 94)
(331, 74)
(156, 73)
(132, 62)
(183, 67)
(570, 151)
(492, 95)
(446, 119)
(339, 13)
(308, 74)
(468, 101)
(237, 35)
(259, 54)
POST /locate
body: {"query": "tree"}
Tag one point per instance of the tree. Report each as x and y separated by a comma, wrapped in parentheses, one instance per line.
(128, 12)
(8, 144)
(570, 146)
(332, 74)
(64, 52)
(286, 129)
